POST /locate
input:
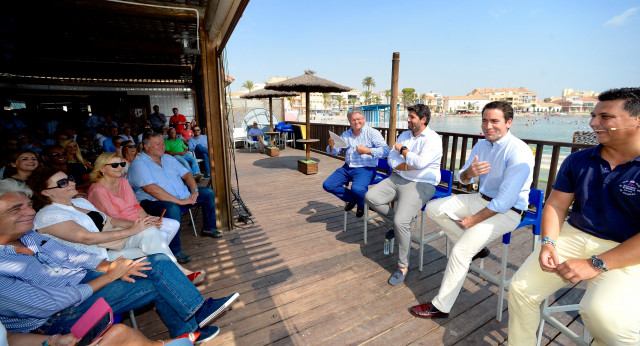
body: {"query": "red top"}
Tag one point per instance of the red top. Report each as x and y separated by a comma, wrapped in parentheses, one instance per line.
(187, 134)
(177, 119)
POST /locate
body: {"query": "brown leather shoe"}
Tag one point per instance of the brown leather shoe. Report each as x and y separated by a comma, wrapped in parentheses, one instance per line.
(427, 311)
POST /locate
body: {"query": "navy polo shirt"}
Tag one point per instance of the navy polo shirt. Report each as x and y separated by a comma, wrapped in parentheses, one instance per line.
(607, 202)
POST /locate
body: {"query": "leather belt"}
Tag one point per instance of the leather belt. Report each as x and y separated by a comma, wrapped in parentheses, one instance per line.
(487, 198)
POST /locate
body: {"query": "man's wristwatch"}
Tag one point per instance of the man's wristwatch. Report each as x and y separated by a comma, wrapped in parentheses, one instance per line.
(194, 190)
(402, 149)
(599, 263)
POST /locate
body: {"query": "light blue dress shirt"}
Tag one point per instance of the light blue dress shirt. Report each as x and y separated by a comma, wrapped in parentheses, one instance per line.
(425, 153)
(35, 287)
(509, 179)
(144, 171)
(370, 138)
(193, 142)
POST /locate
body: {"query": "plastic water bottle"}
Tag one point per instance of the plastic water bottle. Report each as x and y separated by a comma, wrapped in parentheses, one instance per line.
(387, 247)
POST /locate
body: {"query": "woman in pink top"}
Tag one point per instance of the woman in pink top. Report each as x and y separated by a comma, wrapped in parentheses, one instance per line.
(187, 132)
(112, 194)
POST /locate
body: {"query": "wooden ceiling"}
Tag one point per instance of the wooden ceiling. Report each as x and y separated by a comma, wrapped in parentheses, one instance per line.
(98, 41)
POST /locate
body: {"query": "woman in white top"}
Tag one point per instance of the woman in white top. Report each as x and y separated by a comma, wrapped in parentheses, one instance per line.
(77, 223)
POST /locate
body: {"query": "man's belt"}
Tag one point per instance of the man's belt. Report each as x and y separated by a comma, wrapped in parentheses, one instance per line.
(487, 198)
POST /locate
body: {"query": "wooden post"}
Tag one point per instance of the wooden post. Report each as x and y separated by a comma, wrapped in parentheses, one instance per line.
(213, 82)
(271, 119)
(308, 104)
(393, 107)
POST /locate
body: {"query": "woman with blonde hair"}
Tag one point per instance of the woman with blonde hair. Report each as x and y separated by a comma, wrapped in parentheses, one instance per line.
(112, 195)
(74, 154)
(77, 223)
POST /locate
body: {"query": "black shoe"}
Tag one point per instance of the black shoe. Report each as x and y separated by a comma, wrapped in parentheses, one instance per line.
(182, 257)
(390, 235)
(213, 234)
(349, 206)
(482, 254)
(359, 212)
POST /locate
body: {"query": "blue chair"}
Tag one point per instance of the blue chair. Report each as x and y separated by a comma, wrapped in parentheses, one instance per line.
(533, 218)
(285, 130)
(444, 189)
(383, 172)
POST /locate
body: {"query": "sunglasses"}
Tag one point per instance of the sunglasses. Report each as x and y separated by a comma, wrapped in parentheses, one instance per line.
(56, 154)
(62, 183)
(130, 146)
(116, 164)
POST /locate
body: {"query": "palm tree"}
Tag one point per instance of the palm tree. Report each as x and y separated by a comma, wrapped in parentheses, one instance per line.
(377, 99)
(368, 83)
(326, 100)
(408, 96)
(387, 94)
(353, 101)
(340, 100)
(423, 97)
(248, 85)
(367, 96)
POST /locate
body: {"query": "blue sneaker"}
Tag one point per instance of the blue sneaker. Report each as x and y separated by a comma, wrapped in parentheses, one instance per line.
(212, 308)
(397, 277)
(206, 333)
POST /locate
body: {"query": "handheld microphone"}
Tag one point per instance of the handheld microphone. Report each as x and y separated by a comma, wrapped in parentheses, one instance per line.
(620, 128)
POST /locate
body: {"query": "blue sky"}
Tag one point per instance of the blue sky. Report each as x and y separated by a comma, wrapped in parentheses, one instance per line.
(448, 47)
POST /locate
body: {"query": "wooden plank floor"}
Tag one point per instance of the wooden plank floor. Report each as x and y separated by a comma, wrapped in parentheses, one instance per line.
(302, 281)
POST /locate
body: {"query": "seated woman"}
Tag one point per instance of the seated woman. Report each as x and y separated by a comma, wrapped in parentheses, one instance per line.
(74, 154)
(77, 223)
(21, 164)
(129, 153)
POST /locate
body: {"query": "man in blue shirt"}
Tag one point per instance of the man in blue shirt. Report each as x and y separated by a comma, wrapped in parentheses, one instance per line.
(600, 241)
(48, 286)
(160, 182)
(503, 165)
(365, 145)
(198, 144)
(157, 119)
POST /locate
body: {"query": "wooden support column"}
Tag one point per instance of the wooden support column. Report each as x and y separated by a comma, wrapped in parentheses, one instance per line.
(393, 107)
(214, 98)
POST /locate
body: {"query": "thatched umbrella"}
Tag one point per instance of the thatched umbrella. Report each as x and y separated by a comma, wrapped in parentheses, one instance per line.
(270, 94)
(308, 83)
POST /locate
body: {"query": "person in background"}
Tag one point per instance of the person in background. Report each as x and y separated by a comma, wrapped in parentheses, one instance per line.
(199, 145)
(365, 147)
(73, 154)
(125, 133)
(187, 133)
(257, 135)
(22, 163)
(56, 158)
(175, 147)
(600, 241)
(416, 160)
(157, 119)
(177, 121)
(109, 143)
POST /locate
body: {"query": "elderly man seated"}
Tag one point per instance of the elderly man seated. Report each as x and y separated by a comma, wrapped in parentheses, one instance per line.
(46, 286)
(161, 182)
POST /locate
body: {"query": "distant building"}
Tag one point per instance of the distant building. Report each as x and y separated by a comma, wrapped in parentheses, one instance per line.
(541, 107)
(514, 96)
(566, 93)
(578, 104)
(474, 103)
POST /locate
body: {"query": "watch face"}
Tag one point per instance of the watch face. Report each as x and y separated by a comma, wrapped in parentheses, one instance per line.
(597, 262)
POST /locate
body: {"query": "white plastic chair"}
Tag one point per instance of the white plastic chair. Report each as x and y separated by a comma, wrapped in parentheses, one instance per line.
(239, 135)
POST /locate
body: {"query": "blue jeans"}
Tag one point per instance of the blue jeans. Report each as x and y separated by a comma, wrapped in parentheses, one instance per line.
(206, 199)
(175, 297)
(189, 162)
(360, 177)
(203, 153)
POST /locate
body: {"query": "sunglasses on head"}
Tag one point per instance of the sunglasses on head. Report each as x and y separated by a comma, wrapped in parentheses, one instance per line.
(62, 183)
(116, 164)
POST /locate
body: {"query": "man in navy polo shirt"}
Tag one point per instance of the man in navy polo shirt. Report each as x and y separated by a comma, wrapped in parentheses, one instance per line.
(600, 240)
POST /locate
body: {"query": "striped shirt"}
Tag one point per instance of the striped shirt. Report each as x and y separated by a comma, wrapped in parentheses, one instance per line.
(370, 138)
(35, 287)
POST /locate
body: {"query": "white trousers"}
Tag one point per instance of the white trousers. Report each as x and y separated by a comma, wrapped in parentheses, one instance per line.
(468, 242)
(147, 242)
(610, 305)
(169, 229)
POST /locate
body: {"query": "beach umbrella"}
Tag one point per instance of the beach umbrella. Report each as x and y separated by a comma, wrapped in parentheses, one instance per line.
(270, 94)
(307, 83)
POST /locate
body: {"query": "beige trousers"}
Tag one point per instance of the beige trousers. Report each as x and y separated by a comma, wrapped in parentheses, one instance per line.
(468, 242)
(610, 307)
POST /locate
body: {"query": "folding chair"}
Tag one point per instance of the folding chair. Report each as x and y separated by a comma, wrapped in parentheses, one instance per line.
(533, 218)
(183, 209)
(383, 172)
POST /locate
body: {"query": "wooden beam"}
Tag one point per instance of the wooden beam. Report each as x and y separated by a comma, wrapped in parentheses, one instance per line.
(393, 107)
(180, 13)
(217, 129)
(221, 17)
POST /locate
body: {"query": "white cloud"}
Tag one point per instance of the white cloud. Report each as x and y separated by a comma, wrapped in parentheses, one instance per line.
(621, 18)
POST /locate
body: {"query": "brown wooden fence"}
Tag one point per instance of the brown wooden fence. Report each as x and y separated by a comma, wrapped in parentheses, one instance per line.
(457, 146)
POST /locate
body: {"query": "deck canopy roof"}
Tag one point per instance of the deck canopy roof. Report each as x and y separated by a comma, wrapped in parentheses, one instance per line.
(109, 41)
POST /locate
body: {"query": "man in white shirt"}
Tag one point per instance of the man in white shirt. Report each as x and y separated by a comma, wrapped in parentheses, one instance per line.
(416, 160)
(503, 165)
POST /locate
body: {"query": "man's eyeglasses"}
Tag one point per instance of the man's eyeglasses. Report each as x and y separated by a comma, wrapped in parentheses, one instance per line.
(198, 130)
(62, 183)
(130, 146)
(116, 164)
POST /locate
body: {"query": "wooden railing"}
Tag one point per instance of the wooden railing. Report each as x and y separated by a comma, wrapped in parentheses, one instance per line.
(457, 146)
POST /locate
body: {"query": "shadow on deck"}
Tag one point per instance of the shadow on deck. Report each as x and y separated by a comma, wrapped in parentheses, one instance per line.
(303, 281)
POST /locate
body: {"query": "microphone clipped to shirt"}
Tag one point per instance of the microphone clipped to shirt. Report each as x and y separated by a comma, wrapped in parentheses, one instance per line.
(620, 128)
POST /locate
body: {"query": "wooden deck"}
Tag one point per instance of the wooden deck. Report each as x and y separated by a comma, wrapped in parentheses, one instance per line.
(302, 281)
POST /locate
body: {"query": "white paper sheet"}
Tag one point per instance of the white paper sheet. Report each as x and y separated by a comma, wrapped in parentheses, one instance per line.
(339, 143)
